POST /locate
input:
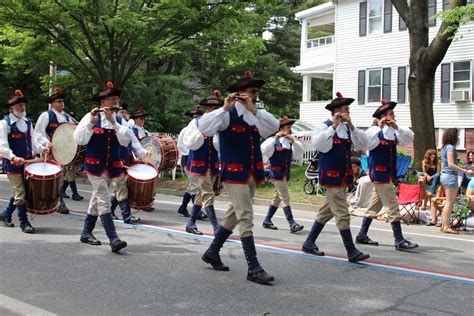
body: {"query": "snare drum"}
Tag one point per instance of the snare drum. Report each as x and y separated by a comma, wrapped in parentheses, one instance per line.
(42, 187)
(164, 152)
(141, 185)
(65, 149)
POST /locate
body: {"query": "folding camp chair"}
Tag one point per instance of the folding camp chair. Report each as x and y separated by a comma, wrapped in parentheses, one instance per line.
(408, 198)
(403, 164)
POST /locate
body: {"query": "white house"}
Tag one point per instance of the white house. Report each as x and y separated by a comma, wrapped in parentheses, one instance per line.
(365, 53)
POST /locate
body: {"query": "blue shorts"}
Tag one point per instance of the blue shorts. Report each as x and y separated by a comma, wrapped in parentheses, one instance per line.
(449, 181)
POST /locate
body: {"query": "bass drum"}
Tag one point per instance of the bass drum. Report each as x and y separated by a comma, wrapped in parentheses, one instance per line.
(65, 150)
(164, 152)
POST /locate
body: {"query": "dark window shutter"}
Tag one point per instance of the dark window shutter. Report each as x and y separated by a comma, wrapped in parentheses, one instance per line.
(445, 82)
(363, 19)
(387, 16)
(402, 85)
(361, 87)
(472, 80)
(402, 26)
(431, 12)
(386, 83)
(446, 4)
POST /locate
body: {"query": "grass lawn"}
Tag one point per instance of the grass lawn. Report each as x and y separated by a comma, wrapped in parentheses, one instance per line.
(264, 190)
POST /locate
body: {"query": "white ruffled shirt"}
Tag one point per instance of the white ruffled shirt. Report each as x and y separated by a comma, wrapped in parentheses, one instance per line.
(83, 132)
(404, 135)
(268, 147)
(322, 138)
(218, 120)
(21, 124)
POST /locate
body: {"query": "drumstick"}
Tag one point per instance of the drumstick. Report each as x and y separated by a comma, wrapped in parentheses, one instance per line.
(32, 160)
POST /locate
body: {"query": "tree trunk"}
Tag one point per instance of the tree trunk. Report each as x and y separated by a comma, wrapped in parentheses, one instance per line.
(421, 112)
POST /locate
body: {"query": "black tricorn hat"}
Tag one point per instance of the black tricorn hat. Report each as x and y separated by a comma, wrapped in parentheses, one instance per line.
(338, 102)
(386, 105)
(17, 98)
(111, 91)
(58, 95)
(247, 81)
(139, 113)
(194, 111)
(124, 106)
(286, 121)
(213, 100)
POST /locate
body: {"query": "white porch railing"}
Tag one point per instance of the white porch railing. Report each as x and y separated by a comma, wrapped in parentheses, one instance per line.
(320, 41)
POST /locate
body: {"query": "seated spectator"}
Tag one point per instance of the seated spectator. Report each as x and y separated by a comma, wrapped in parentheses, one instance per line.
(358, 173)
(437, 204)
(468, 164)
(430, 170)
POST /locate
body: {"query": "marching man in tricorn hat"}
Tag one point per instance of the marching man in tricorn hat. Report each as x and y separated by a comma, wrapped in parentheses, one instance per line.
(383, 139)
(102, 135)
(17, 144)
(192, 188)
(279, 151)
(45, 126)
(240, 125)
(203, 162)
(334, 139)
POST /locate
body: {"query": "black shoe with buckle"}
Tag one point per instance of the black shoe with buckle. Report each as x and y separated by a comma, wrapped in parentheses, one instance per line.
(269, 226)
(91, 240)
(315, 251)
(357, 255)
(260, 277)
(365, 240)
(133, 220)
(406, 245)
(118, 245)
(296, 228)
(202, 216)
(28, 229)
(7, 222)
(194, 231)
(215, 263)
(62, 209)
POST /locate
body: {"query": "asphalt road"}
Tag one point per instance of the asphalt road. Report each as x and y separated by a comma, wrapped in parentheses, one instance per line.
(161, 272)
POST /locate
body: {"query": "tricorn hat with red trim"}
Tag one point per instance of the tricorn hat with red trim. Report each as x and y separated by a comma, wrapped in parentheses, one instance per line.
(17, 98)
(58, 95)
(386, 105)
(213, 100)
(286, 121)
(111, 91)
(338, 102)
(139, 113)
(247, 81)
(194, 111)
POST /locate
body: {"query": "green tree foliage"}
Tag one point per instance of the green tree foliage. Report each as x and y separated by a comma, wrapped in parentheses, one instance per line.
(166, 55)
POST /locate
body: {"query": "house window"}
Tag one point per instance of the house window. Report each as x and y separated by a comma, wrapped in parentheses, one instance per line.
(461, 145)
(374, 85)
(461, 75)
(375, 9)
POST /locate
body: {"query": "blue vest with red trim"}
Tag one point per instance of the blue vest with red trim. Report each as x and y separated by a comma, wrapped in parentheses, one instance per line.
(125, 151)
(335, 167)
(240, 151)
(53, 123)
(280, 162)
(20, 144)
(135, 131)
(103, 152)
(382, 161)
(203, 159)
